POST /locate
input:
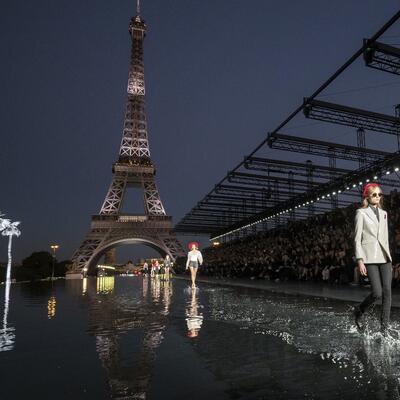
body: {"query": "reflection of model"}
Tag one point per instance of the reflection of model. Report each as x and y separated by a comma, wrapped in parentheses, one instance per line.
(194, 320)
(194, 259)
(372, 253)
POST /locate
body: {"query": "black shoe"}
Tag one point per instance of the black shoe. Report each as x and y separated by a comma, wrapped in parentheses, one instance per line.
(357, 313)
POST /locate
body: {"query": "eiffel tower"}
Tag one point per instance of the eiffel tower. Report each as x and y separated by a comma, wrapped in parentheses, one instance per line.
(134, 168)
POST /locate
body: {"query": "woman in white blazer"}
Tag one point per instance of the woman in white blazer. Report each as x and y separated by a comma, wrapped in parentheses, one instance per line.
(371, 244)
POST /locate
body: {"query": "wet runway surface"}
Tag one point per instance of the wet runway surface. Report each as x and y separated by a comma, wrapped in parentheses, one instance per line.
(134, 338)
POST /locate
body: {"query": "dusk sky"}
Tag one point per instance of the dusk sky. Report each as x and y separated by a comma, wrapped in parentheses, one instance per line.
(219, 76)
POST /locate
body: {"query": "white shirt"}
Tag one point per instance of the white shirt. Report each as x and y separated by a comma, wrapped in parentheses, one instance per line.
(196, 256)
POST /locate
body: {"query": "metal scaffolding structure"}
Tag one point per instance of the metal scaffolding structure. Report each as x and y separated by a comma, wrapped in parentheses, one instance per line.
(382, 56)
(336, 187)
(350, 116)
(323, 149)
(298, 169)
(263, 193)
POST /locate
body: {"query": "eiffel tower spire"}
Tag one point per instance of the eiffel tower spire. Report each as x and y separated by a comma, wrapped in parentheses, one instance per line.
(135, 144)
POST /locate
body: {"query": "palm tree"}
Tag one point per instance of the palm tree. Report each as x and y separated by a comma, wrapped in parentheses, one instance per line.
(3, 222)
(9, 229)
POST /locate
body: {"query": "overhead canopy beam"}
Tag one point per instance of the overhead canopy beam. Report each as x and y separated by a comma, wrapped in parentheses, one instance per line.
(382, 56)
(245, 189)
(255, 179)
(350, 116)
(322, 149)
(296, 168)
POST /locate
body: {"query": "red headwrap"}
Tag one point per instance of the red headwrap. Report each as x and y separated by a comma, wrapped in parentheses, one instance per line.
(367, 186)
(191, 244)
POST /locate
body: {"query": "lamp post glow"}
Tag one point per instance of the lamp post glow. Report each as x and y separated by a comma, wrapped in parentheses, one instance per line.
(54, 247)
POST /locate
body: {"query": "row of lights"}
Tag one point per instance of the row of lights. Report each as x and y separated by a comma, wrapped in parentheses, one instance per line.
(305, 204)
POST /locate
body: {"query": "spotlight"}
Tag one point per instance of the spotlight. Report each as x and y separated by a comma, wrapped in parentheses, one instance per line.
(396, 169)
(354, 185)
(387, 172)
(375, 177)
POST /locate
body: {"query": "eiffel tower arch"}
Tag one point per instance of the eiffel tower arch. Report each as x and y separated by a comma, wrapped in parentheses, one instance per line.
(134, 168)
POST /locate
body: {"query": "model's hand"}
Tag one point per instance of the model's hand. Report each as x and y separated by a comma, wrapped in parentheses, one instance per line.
(362, 268)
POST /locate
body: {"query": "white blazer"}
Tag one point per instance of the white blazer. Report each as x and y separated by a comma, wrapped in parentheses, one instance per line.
(371, 241)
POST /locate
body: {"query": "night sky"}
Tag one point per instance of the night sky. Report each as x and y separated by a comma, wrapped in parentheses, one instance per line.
(219, 75)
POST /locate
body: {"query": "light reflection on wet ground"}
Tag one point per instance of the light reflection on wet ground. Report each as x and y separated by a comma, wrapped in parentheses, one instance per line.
(133, 338)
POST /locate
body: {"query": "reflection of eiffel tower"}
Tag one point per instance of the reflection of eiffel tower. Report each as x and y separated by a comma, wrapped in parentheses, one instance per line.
(113, 324)
(133, 168)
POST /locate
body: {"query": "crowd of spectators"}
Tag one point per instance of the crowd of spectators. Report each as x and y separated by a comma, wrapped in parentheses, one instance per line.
(319, 249)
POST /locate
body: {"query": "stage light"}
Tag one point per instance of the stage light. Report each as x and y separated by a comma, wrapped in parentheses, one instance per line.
(375, 177)
(354, 185)
(387, 172)
(396, 169)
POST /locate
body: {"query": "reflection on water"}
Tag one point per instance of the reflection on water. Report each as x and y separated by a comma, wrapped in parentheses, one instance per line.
(84, 285)
(311, 326)
(51, 307)
(7, 334)
(194, 319)
(105, 284)
(134, 338)
(129, 322)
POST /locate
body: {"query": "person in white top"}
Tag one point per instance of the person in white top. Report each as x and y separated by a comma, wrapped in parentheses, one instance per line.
(194, 259)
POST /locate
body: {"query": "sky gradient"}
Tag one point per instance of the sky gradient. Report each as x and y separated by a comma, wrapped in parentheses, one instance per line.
(219, 76)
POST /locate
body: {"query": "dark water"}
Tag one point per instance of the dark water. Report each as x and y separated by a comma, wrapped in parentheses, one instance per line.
(133, 338)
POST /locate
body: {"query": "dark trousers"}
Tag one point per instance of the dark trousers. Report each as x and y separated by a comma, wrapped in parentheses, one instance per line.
(380, 276)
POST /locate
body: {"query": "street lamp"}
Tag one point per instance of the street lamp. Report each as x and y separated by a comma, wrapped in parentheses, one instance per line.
(54, 247)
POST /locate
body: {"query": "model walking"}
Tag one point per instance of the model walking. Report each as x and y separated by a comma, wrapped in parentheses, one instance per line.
(167, 266)
(194, 259)
(371, 244)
